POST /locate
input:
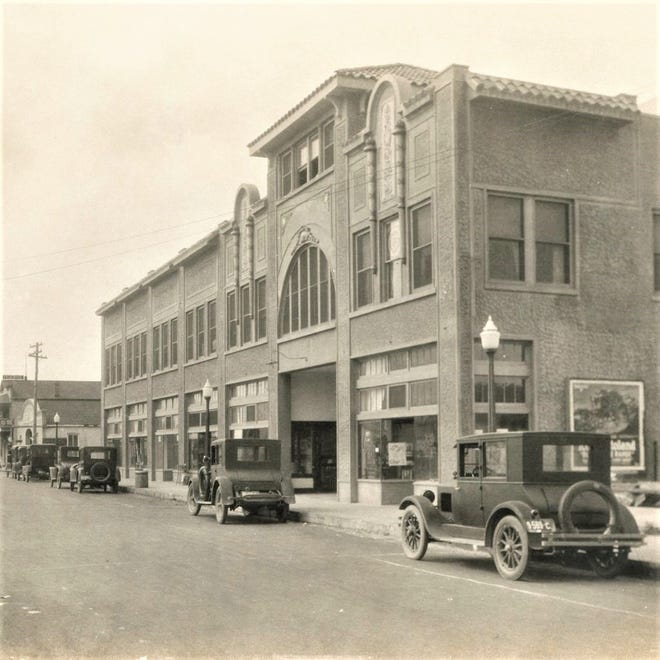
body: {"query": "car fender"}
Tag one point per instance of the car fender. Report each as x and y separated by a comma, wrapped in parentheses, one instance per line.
(226, 490)
(194, 481)
(628, 522)
(430, 513)
(520, 510)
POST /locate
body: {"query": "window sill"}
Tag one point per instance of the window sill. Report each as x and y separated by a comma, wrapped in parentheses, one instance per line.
(319, 177)
(165, 371)
(206, 358)
(322, 327)
(245, 347)
(393, 302)
(136, 380)
(522, 287)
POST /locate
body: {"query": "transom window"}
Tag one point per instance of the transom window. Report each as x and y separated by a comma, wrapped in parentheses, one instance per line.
(308, 296)
(529, 240)
(308, 158)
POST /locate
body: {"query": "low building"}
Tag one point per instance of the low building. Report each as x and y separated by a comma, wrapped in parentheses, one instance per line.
(341, 312)
(77, 405)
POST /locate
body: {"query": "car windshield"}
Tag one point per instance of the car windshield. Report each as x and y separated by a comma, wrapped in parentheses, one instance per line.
(566, 458)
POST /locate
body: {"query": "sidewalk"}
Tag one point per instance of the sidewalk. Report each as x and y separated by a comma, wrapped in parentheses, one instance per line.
(383, 521)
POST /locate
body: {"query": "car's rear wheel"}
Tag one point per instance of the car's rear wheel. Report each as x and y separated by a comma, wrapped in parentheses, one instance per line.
(414, 537)
(510, 548)
(191, 502)
(221, 510)
(605, 563)
(282, 512)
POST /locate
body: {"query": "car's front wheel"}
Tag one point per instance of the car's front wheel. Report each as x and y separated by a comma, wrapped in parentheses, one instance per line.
(510, 548)
(606, 564)
(414, 537)
(221, 510)
(191, 502)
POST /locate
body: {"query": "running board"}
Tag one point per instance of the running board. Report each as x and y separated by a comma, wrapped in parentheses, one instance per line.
(467, 544)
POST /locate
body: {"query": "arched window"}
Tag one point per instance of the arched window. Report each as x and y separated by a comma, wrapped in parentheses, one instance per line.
(308, 296)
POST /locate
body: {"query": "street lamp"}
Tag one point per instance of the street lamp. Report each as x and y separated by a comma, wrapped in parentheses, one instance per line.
(490, 341)
(56, 419)
(207, 391)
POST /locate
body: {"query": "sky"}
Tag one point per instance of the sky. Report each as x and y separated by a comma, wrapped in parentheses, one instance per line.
(125, 126)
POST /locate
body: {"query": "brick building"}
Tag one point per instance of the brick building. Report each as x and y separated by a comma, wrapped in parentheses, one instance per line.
(341, 311)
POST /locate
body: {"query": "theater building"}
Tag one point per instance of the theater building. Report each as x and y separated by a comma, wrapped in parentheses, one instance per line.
(340, 312)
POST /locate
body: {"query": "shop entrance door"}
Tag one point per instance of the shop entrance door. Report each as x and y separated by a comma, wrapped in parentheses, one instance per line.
(314, 453)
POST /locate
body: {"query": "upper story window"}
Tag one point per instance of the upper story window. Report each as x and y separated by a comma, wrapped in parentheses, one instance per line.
(201, 331)
(307, 159)
(656, 251)
(363, 269)
(260, 308)
(113, 365)
(530, 240)
(164, 345)
(421, 246)
(136, 356)
(308, 296)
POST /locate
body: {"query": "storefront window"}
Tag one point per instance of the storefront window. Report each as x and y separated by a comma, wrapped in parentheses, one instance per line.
(403, 448)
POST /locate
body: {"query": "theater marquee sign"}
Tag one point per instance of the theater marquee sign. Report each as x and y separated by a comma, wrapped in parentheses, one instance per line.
(614, 407)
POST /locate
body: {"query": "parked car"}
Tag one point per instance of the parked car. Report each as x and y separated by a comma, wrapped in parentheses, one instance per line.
(242, 473)
(527, 494)
(40, 459)
(66, 457)
(96, 468)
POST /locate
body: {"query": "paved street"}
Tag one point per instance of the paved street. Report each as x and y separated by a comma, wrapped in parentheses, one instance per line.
(97, 574)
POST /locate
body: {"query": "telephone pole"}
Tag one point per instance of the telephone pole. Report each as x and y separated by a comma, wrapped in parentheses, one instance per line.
(37, 356)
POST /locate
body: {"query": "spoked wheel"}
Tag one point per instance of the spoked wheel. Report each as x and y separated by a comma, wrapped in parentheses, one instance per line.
(221, 510)
(414, 537)
(282, 512)
(606, 564)
(510, 548)
(191, 502)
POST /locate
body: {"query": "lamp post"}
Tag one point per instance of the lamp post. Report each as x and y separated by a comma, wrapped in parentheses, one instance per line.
(207, 391)
(490, 341)
(56, 419)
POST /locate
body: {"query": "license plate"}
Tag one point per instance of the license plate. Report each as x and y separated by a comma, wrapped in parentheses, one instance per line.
(539, 526)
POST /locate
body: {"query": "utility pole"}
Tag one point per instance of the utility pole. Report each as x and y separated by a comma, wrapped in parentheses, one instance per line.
(37, 356)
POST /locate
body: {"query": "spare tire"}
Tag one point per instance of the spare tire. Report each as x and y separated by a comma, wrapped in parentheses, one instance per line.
(100, 472)
(567, 499)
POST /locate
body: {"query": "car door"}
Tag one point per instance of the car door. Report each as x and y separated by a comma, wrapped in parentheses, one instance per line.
(468, 509)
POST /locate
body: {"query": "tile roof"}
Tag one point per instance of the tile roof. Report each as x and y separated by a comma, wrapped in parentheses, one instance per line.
(545, 94)
(416, 75)
(71, 412)
(54, 389)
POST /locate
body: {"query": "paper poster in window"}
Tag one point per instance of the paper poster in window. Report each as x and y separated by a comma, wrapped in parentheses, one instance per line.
(396, 453)
(614, 407)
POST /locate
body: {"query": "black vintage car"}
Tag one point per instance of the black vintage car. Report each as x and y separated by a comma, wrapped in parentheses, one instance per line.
(96, 468)
(66, 457)
(242, 474)
(523, 495)
(40, 459)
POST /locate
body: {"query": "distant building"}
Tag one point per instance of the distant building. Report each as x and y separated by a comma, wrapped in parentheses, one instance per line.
(341, 313)
(78, 404)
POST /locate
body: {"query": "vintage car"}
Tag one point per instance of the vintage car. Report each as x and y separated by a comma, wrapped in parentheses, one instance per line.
(96, 468)
(66, 457)
(522, 495)
(242, 473)
(40, 458)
